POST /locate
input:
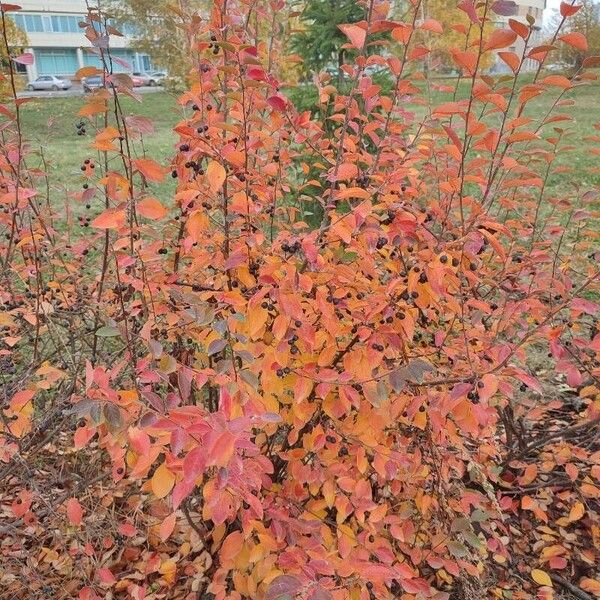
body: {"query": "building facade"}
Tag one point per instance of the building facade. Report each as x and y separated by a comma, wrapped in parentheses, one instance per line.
(59, 44)
(525, 8)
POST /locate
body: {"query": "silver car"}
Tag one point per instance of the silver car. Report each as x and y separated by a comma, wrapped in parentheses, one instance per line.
(50, 82)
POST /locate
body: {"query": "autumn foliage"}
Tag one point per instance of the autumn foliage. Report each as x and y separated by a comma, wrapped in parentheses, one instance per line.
(297, 359)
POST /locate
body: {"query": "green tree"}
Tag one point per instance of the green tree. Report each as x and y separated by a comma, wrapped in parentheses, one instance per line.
(318, 40)
(12, 42)
(161, 30)
(585, 21)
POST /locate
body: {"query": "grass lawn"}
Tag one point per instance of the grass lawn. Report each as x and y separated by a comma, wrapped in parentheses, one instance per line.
(50, 124)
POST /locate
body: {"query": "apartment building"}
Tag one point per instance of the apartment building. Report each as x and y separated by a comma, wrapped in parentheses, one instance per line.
(59, 45)
(535, 9)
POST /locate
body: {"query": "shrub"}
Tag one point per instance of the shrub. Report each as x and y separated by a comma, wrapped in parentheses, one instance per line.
(212, 393)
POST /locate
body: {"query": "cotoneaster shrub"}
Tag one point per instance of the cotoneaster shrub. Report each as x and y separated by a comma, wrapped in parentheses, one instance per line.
(296, 359)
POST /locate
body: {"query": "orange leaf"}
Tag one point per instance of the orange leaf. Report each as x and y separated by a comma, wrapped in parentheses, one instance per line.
(511, 59)
(74, 511)
(87, 72)
(577, 511)
(215, 174)
(576, 40)
(196, 225)
(353, 192)
(162, 481)
(519, 28)
(466, 60)
(110, 219)
(347, 171)
(558, 81)
(357, 35)
(500, 38)
(151, 208)
(150, 169)
(432, 25)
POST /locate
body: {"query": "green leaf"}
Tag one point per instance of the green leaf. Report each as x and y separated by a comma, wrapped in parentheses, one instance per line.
(457, 549)
(108, 331)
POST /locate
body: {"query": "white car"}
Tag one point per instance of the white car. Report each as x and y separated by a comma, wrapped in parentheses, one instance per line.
(158, 78)
(50, 82)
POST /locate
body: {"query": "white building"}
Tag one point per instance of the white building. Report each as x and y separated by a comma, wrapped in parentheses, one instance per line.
(59, 44)
(525, 8)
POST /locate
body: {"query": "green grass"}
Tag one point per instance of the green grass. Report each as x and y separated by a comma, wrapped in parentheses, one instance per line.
(50, 125)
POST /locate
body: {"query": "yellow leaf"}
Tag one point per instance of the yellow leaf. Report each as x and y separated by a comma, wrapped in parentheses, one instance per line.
(168, 569)
(215, 174)
(541, 577)
(162, 481)
(577, 511)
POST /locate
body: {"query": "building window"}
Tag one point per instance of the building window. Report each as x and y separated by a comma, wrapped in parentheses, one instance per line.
(56, 62)
(29, 23)
(65, 24)
(47, 23)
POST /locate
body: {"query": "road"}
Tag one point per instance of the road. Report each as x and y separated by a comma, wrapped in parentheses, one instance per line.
(76, 90)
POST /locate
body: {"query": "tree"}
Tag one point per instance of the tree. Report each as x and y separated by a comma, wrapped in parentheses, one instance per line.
(585, 22)
(161, 31)
(454, 22)
(318, 39)
(12, 43)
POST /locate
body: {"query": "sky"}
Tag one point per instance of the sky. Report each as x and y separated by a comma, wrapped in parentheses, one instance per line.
(550, 5)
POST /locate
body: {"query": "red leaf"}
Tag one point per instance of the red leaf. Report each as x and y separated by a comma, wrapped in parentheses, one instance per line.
(591, 62)
(25, 59)
(105, 576)
(222, 449)
(277, 102)
(166, 527)
(74, 511)
(357, 35)
(467, 60)
(567, 10)
(468, 6)
(576, 40)
(519, 28)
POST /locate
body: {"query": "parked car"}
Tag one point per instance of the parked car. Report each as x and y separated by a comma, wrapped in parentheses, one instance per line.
(137, 81)
(50, 82)
(145, 77)
(158, 78)
(94, 82)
